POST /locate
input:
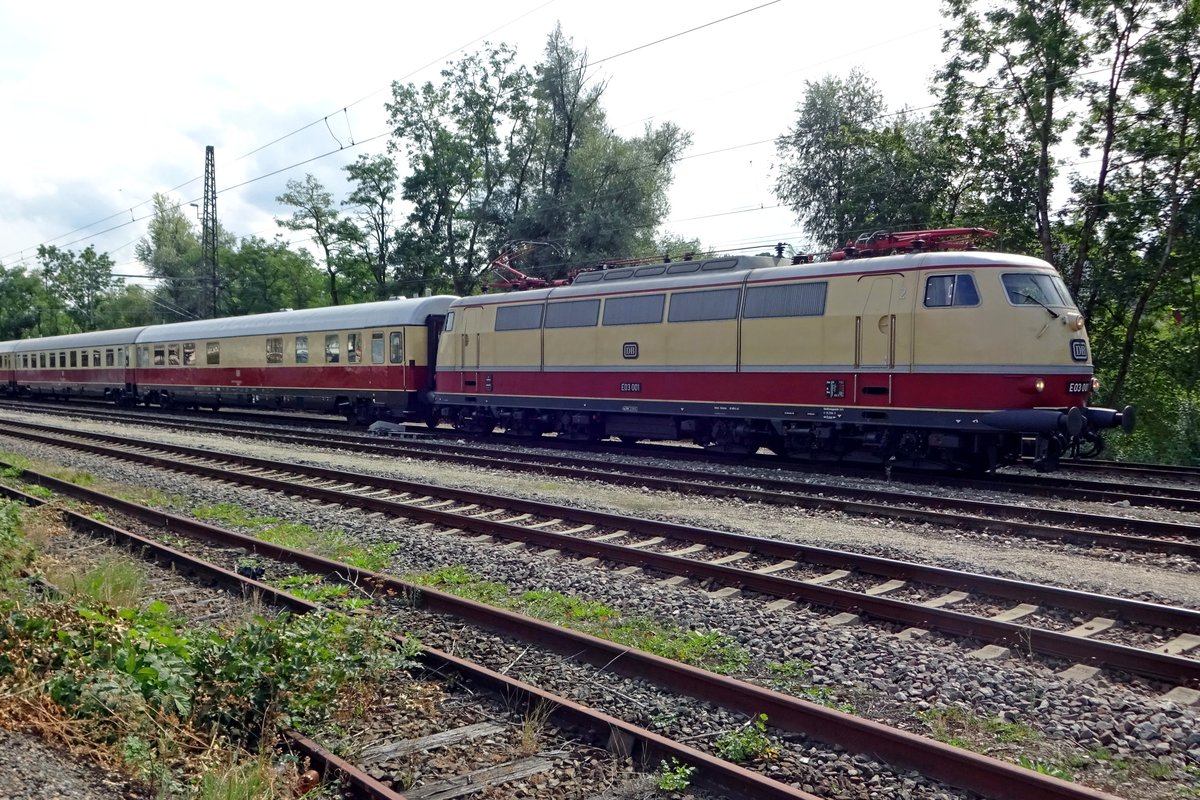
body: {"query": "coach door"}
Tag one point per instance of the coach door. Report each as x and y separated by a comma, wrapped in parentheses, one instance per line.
(469, 344)
(875, 328)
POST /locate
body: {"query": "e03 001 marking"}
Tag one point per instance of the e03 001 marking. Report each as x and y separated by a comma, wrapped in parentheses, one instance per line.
(1079, 387)
(631, 387)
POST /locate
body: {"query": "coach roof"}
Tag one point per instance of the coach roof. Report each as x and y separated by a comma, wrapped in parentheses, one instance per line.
(385, 313)
(72, 341)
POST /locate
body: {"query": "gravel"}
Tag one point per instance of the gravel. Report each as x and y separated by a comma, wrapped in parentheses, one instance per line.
(885, 678)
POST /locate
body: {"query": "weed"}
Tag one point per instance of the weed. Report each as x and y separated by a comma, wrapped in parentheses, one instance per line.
(13, 465)
(963, 729)
(747, 742)
(111, 581)
(792, 677)
(1161, 770)
(314, 588)
(1050, 768)
(73, 476)
(39, 491)
(100, 516)
(674, 777)
(532, 726)
(231, 514)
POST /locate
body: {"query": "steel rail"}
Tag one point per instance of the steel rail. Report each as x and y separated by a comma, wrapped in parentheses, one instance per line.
(1176, 669)
(957, 767)
(629, 739)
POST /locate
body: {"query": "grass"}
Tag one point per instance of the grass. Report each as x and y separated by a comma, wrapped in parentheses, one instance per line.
(112, 581)
(710, 650)
(794, 678)
(960, 728)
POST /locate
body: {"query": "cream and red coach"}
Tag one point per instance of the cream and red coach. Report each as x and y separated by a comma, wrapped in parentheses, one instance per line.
(92, 365)
(950, 357)
(365, 361)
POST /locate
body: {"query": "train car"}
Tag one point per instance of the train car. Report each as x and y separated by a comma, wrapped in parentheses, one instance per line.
(92, 365)
(366, 361)
(949, 358)
(7, 381)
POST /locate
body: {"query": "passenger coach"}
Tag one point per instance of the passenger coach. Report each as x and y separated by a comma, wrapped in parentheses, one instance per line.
(91, 365)
(951, 357)
(365, 361)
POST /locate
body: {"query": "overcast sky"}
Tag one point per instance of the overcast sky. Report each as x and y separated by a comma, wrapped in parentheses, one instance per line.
(107, 103)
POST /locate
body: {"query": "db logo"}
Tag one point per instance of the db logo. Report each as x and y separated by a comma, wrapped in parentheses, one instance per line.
(629, 350)
(1079, 350)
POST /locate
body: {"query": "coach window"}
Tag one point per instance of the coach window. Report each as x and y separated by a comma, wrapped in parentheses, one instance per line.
(792, 300)
(637, 310)
(62, 358)
(213, 350)
(942, 291)
(83, 358)
(274, 349)
(173, 355)
(53, 360)
(74, 358)
(95, 358)
(301, 349)
(396, 343)
(573, 314)
(42, 359)
(353, 348)
(704, 306)
(377, 348)
(108, 358)
(160, 355)
(333, 349)
(189, 354)
(143, 357)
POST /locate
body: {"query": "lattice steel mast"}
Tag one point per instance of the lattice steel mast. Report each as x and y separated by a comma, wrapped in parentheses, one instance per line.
(208, 239)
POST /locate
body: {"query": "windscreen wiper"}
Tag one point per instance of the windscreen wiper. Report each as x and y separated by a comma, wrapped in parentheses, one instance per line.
(1033, 299)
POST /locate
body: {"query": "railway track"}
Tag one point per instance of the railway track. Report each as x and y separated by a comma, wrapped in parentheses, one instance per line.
(1115, 531)
(1006, 615)
(960, 768)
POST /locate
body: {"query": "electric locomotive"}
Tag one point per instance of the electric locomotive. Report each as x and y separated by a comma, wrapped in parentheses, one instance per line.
(895, 349)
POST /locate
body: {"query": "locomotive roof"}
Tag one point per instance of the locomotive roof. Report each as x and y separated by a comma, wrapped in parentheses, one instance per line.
(726, 271)
(390, 313)
(118, 336)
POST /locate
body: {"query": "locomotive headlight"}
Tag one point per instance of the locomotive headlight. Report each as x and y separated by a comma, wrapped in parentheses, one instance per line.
(1095, 384)
(1075, 321)
(1039, 385)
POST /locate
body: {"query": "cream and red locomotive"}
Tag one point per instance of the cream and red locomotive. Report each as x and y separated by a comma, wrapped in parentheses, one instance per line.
(915, 354)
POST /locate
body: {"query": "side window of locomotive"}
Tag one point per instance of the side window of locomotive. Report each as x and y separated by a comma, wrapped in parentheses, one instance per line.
(449, 322)
(792, 300)
(575, 314)
(189, 354)
(519, 318)
(396, 343)
(942, 291)
(377, 348)
(704, 306)
(333, 349)
(274, 349)
(353, 348)
(213, 350)
(1035, 288)
(637, 310)
(301, 349)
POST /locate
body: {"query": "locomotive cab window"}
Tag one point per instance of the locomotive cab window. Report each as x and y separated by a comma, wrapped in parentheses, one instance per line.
(942, 291)
(396, 343)
(275, 350)
(213, 350)
(189, 354)
(333, 349)
(1036, 288)
(301, 349)
(377, 348)
(450, 322)
(353, 348)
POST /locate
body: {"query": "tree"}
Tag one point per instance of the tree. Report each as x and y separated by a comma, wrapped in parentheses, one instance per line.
(267, 276)
(80, 281)
(171, 253)
(22, 298)
(372, 196)
(314, 212)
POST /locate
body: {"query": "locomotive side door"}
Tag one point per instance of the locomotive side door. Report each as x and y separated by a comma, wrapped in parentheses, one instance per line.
(875, 328)
(469, 347)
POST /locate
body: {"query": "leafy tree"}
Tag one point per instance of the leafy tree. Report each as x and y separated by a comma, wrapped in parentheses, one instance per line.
(267, 276)
(372, 196)
(314, 212)
(80, 282)
(171, 253)
(130, 306)
(22, 296)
